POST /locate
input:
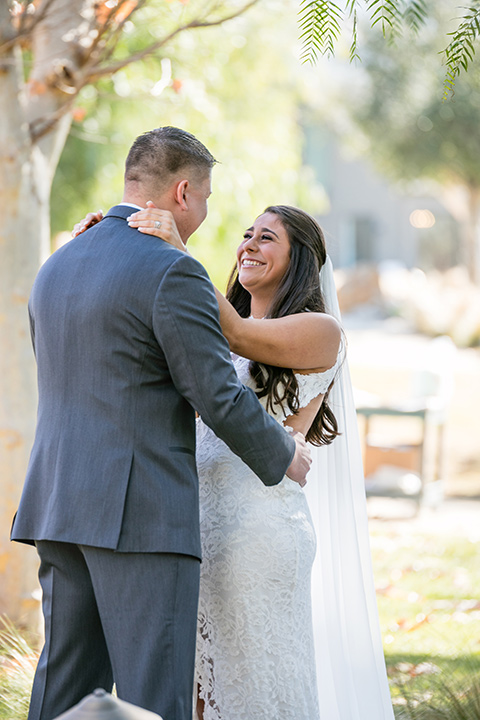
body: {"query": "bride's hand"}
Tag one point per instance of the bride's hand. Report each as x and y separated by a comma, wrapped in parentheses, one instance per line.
(160, 223)
(87, 222)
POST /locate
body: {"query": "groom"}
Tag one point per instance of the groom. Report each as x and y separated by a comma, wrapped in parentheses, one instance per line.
(128, 344)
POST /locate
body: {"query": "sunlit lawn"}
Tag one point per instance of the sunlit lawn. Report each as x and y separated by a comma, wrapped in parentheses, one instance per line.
(427, 575)
(428, 591)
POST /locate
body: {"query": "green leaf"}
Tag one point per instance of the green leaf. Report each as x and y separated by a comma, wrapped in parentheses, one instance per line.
(415, 14)
(320, 22)
(461, 49)
(387, 13)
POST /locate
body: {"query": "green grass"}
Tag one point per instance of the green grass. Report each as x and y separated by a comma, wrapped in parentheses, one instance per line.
(428, 592)
(457, 698)
(17, 667)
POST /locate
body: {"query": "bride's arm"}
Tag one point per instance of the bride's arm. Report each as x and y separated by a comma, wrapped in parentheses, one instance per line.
(304, 341)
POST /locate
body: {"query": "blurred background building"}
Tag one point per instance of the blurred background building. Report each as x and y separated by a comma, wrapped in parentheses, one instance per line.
(370, 220)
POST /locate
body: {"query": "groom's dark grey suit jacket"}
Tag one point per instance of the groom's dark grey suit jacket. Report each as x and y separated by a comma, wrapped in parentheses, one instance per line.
(128, 343)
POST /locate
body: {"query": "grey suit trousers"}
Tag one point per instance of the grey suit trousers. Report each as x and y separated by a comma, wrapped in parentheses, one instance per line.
(134, 617)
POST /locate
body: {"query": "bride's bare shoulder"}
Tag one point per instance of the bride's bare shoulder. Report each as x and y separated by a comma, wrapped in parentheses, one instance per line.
(320, 325)
(322, 334)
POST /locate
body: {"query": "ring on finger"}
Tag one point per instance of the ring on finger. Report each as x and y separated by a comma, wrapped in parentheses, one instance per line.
(157, 224)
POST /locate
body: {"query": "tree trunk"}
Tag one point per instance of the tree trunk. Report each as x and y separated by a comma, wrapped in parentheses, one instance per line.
(19, 261)
(472, 235)
(463, 202)
(67, 41)
(26, 173)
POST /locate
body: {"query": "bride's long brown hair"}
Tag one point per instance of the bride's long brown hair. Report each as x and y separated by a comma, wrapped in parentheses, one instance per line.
(298, 291)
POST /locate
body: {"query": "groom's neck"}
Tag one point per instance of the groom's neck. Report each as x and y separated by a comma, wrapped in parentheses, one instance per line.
(135, 199)
(139, 193)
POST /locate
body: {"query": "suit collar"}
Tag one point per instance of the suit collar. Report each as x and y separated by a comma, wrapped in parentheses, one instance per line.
(121, 211)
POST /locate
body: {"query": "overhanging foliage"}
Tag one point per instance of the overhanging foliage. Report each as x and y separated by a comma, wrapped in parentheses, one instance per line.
(322, 22)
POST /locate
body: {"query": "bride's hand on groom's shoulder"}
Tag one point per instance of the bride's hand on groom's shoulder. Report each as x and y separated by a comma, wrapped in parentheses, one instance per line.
(160, 223)
(87, 222)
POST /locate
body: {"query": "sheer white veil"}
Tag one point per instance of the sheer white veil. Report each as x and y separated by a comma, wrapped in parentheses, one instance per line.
(351, 675)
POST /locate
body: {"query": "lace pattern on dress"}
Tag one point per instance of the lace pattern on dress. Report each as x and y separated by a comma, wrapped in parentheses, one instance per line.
(310, 385)
(255, 652)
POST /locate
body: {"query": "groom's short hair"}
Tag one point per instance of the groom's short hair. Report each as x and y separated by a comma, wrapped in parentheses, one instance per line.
(156, 156)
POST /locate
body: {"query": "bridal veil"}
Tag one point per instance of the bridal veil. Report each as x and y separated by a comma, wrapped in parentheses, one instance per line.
(351, 674)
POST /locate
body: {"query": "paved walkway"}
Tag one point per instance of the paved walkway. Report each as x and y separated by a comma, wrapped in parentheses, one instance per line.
(382, 355)
(454, 516)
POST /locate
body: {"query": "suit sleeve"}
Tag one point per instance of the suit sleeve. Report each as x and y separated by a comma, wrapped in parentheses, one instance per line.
(187, 327)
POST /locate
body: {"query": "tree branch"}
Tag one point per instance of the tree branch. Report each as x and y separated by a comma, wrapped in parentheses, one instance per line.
(96, 72)
(91, 70)
(43, 125)
(111, 40)
(26, 25)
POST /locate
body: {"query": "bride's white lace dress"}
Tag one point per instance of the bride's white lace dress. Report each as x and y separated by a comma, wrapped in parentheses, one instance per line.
(255, 654)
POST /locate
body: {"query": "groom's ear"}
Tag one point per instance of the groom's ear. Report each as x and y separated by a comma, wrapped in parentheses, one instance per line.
(181, 194)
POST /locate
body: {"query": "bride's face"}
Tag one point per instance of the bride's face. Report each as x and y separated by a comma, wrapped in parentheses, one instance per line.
(264, 255)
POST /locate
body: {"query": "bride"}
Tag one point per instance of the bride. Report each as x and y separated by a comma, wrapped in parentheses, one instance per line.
(259, 653)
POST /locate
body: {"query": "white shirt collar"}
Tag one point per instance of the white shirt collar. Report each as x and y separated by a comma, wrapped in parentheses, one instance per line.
(137, 207)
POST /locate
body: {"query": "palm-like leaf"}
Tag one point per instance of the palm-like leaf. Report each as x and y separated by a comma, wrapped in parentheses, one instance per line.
(321, 24)
(386, 12)
(415, 14)
(353, 54)
(461, 49)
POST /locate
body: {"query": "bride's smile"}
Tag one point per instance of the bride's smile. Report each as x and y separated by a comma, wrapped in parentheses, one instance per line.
(250, 263)
(264, 255)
